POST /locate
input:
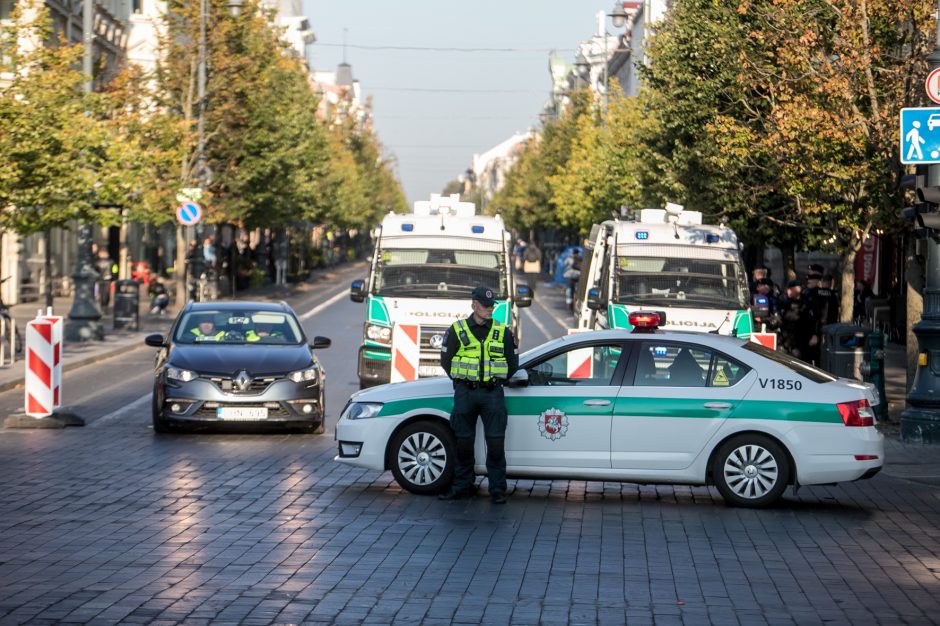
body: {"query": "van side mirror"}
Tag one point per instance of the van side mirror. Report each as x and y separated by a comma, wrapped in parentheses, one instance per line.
(523, 296)
(357, 291)
(594, 300)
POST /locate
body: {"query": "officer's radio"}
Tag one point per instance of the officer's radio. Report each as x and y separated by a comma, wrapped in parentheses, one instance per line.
(760, 306)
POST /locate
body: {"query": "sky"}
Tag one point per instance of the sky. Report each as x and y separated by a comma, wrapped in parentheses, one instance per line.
(487, 95)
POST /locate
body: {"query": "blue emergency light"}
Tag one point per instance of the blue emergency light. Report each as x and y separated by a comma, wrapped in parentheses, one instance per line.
(711, 238)
(407, 227)
(476, 229)
(642, 235)
(660, 351)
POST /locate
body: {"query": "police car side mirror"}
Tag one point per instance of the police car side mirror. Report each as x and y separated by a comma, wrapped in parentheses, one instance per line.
(519, 379)
(357, 291)
(321, 342)
(594, 300)
(523, 296)
(154, 341)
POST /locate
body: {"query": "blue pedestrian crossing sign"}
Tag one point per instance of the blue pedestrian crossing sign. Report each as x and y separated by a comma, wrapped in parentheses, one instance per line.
(188, 213)
(920, 135)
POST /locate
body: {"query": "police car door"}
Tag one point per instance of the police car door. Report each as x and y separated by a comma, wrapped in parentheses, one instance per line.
(562, 418)
(674, 399)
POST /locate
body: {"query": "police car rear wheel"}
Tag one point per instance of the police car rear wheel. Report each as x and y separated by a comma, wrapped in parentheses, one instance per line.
(751, 471)
(422, 458)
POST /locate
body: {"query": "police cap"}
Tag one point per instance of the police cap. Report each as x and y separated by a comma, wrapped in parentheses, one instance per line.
(484, 295)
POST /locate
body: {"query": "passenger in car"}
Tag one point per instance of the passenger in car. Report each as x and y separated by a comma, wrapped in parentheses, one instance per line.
(685, 371)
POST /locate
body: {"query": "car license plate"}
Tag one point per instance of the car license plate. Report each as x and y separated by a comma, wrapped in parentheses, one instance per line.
(430, 370)
(242, 413)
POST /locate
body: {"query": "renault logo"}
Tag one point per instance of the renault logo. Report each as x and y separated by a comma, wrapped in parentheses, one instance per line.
(242, 381)
(437, 341)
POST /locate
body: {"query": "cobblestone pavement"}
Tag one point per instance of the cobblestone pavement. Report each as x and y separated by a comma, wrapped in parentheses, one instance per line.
(110, 524)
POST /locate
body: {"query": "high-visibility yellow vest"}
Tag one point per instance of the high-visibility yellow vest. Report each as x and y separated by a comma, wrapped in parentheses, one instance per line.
(472, 355)
(216, 337)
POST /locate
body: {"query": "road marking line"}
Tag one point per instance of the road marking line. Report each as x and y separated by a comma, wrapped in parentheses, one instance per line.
(323, 305)
(560, 321)
(137, 404)
(531, 316)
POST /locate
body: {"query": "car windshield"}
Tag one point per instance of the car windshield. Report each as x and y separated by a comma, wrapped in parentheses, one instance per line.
(238, 327)
(716, 283)
(792, 363)
(438, 273)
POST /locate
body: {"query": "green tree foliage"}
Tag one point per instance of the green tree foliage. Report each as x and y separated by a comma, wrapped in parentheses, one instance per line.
(526, 199)
(65, 151)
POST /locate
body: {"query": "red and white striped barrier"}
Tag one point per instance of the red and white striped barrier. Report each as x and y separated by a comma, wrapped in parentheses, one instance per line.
(406, 353)
(580, 361)
(40, 364)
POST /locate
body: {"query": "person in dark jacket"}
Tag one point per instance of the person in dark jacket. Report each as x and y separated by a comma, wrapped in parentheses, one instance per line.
(479, 354)
(797, 323)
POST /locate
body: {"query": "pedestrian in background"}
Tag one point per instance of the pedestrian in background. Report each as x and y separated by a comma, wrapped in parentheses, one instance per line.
(797, 325)
(479, 355)
(571, 274)
(766, 318)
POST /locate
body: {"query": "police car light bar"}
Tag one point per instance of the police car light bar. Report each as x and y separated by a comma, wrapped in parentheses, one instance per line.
(407, 227)
(646, 321)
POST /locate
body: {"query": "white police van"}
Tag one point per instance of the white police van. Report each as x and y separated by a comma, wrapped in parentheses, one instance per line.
(666, 260)
(644, 407)
(424, 267)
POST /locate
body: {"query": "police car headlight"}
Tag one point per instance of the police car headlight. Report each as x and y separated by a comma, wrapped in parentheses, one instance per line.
(362, 410)
(381, 334)
(177, 373)
(300, 376)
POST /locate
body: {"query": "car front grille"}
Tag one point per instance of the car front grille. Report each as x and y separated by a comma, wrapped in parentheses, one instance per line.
(426, 333)
(257, 386)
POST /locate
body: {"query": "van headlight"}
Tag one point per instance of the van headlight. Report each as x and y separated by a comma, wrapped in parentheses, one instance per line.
(178, 373)
(362, 410)
(380, 334)
(307, 375)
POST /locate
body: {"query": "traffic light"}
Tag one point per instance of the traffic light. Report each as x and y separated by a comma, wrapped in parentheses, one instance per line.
(926, 213)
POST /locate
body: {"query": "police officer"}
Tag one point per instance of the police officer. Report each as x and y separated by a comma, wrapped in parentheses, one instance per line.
(479, 354)
(206, 330)
(797, 323)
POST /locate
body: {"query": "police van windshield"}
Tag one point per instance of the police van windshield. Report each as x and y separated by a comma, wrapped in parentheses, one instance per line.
(438, 273)
(716, 283)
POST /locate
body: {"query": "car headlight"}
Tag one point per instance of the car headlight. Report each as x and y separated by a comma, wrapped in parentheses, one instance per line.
(381, 334)
(178, 373)
(300, 376)
(362, 410)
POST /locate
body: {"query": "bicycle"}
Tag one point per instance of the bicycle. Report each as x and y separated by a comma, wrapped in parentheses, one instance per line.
(10, 344)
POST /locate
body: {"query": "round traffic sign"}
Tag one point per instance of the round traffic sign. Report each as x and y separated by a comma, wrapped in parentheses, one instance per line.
(932, 85)
(188, 213)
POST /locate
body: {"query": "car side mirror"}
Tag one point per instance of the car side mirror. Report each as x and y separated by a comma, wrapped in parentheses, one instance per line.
(321, 342)
(594, 300)
(519, 379)
(357, 291)
(523, 296)
(154, 341)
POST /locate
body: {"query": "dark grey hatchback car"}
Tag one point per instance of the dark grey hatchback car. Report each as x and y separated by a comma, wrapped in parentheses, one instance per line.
(226, 362)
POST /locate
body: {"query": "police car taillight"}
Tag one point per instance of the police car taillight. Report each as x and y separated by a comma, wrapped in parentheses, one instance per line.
(644, 321)
(856, 413)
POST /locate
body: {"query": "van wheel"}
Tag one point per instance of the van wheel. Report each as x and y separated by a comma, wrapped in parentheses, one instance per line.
(421, 456)
(751, 471)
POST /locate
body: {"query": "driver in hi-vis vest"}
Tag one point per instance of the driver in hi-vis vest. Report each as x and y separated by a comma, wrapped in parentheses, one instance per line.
(479, 354)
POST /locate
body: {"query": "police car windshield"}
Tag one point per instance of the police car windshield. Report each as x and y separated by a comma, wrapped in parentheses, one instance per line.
(804, 369)
(680, 282)
(249, 326)
(438, 273)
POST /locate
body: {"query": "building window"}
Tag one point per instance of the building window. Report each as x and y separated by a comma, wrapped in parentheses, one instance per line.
(137, 6)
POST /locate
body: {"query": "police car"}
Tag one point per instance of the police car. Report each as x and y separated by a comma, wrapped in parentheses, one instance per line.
(646, 406)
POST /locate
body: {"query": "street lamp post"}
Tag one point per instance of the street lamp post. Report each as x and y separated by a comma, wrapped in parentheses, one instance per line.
(618, 16)
(83, 319)
(920, 422)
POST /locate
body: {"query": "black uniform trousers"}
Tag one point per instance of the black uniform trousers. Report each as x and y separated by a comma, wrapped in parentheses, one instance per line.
(489, 404)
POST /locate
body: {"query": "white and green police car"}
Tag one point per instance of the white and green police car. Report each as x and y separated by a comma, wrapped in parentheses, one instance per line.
(644, 407)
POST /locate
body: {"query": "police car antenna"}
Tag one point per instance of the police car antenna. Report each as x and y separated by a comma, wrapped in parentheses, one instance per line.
(717, 331)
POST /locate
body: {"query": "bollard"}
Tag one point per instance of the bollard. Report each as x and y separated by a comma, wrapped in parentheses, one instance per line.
(40, 360)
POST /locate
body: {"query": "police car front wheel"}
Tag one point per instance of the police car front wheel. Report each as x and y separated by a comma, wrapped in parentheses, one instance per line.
(751, 471)
(421, 457)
